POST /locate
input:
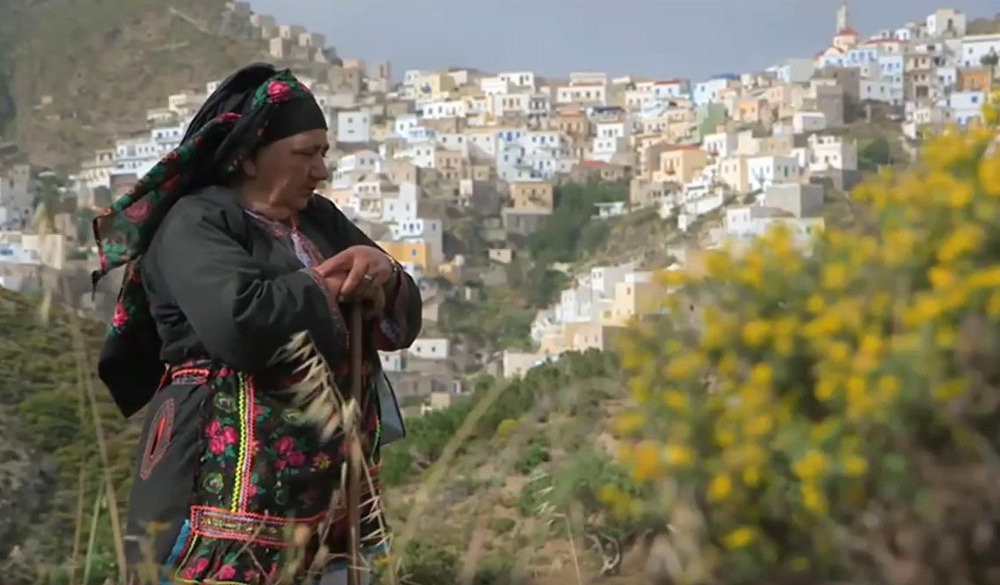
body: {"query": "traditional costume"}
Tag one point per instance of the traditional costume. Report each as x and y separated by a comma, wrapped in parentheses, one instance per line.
(229, 462)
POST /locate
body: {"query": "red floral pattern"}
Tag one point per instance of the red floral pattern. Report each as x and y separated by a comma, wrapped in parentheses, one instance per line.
(292, 474)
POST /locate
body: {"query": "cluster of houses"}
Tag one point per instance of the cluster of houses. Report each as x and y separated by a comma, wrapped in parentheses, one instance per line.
(744, 150)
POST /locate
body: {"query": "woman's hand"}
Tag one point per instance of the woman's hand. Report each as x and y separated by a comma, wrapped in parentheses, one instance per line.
(365, 272)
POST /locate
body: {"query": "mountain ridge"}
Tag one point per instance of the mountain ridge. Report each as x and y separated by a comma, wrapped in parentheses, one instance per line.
(100, 64)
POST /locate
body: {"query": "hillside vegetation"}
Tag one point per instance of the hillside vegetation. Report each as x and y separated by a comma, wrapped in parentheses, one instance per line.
(47, 435)
(104, 63)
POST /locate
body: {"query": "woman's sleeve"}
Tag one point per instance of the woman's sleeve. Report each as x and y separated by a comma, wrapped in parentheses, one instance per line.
(239, 315)
(404, 311)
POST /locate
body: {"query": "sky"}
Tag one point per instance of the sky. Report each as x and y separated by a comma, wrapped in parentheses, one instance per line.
(656, 38)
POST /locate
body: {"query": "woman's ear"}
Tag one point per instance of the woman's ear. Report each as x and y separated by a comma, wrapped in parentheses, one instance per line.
(249, 167)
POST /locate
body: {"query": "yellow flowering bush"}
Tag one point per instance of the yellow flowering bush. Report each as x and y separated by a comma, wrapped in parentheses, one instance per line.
(834, 409)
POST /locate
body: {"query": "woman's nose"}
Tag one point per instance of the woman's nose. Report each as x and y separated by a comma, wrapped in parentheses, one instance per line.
(320, 172)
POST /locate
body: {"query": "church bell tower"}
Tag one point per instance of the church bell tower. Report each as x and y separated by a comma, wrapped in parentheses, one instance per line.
(841, 17)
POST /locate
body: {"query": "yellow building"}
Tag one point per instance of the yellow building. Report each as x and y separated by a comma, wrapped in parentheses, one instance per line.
(418, 253)
(531, 195)
(635, 300)
(681, 163)
(434, 85)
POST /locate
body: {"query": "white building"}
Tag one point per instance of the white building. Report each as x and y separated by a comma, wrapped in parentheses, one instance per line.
(721, 144)
(975, 47)
(946, 21)
(832, 153)
(796, 199)
(518, 78)
(804, 122)
(964, 106)
(360, 161)
(402, 207)
(354, 126)
(763, 171)
(430, 348)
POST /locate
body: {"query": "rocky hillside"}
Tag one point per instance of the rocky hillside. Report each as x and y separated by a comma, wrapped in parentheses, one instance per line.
(100, 64)
(46, 437)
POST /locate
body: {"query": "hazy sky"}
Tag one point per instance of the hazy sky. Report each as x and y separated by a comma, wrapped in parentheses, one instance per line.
(658, 38)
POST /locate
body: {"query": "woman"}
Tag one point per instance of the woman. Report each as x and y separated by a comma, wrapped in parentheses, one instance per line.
(230, 255)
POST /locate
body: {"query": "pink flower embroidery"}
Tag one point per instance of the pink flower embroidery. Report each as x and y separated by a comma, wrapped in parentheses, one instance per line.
(170, 184)
(120, 315)
(224, 117)
(139, 210)
(322, 461)
(278, 90)
(219, 437)
(195, 570)
(288, 456)
(284, 445)
(251, 575)
(226, 572)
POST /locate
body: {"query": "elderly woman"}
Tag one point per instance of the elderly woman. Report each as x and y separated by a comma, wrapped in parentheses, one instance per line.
(229, 256)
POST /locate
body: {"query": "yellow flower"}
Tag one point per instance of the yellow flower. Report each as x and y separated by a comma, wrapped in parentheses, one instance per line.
(813, 499)
(675, 399)
(755, 332)
(855, 466)
(963, 239)
(629, 422)
(718, 263)
(761, 374)
(608, 494)
(945, 336)
(888, 387)
(838, 352)
(673, 277)
(926, 308)
(684, 365)
(985, 278)
(724, 437)
(989, 175)
(941, 277)
(960, 195)
(727, 365)
(646, 462)
(993, 305)
(740, 537)
(751, 475)
(678, 455)
(751, 276)
(825, 388)
(822, 430)
(815, 304)
(949, 389)
(760, 425)
(835, 276)
(813, 464)
(719, 488)
(898, 247)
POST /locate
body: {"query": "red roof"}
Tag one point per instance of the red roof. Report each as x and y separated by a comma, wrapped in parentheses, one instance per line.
(593, 163)
(847, 31)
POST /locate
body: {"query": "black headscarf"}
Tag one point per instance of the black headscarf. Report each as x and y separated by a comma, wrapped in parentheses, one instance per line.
(254, 107)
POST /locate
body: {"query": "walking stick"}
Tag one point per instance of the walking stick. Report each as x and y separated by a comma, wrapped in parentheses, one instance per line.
(355, 459)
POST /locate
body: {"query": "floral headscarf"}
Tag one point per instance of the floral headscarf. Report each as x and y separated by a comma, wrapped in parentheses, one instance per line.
(129, 363)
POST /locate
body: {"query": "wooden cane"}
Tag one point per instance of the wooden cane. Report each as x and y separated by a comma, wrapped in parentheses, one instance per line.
(354, 469)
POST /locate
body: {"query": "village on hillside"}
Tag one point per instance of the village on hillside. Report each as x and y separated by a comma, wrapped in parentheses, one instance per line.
(718, 160)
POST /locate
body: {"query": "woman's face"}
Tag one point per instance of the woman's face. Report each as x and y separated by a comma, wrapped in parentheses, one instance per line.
(289, 169)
